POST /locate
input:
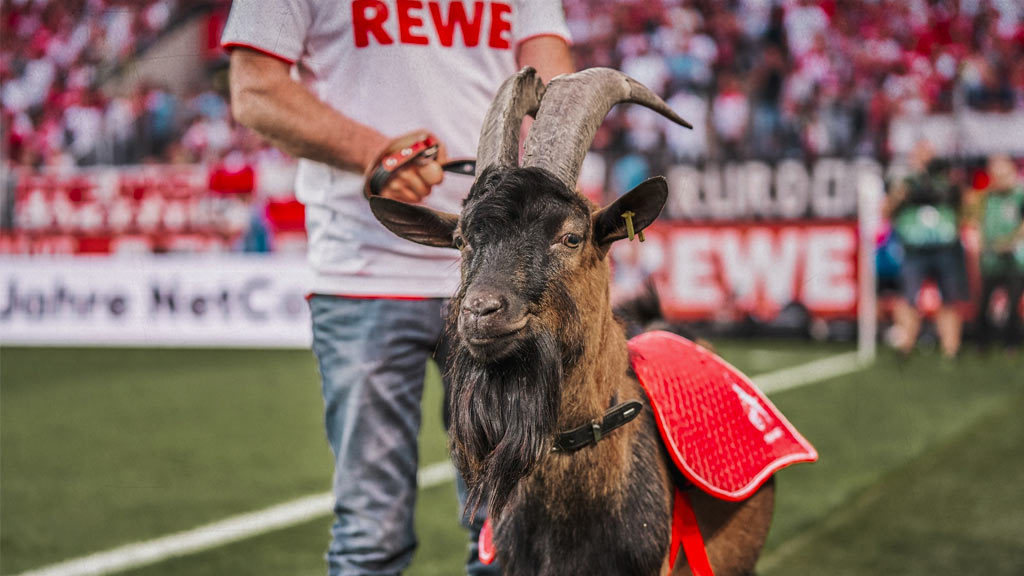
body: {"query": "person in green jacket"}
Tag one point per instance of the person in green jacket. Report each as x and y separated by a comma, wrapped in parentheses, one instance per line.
(1002, 256)
(925, 209)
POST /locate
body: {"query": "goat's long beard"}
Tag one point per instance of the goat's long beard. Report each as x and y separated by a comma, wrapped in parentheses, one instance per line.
(504, 415)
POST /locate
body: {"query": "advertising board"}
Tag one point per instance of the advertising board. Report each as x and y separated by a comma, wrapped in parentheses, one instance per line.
(708, 271)
(218, 300)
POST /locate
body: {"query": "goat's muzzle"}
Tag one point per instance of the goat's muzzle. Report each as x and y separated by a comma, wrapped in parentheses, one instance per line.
(491, 323)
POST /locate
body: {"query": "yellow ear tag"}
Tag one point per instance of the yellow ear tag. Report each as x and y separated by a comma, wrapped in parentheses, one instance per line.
(628, 217)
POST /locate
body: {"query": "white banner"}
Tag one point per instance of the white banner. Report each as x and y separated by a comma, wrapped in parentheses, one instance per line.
(789, 190)
(216, 300)
(968, 133)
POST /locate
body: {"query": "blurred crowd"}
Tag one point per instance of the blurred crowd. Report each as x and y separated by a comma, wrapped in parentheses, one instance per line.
(802, 78)
(758, 78)
(56, 54)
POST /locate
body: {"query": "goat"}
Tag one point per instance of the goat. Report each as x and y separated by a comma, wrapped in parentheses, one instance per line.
(537, 349)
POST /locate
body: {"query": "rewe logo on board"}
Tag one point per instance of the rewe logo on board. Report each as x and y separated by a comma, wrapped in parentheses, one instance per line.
(411, 22)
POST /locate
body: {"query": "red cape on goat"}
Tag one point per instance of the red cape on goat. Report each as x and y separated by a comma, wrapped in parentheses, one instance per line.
(721, 431)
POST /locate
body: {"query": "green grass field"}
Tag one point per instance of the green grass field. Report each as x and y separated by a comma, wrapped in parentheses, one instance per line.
(919, 472)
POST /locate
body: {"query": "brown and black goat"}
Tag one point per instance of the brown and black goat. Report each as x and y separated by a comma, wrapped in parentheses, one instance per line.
(538, 351)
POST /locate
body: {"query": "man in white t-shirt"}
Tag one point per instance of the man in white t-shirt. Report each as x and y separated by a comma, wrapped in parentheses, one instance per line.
(338, 84)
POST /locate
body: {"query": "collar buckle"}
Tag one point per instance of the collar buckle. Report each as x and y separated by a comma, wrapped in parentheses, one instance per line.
(592, 432)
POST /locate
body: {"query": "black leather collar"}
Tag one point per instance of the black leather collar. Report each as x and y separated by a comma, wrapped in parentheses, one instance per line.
(593, 431)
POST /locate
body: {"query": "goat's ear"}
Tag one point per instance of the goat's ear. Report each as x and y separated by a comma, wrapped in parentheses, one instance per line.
(416, 223)
(645, 202)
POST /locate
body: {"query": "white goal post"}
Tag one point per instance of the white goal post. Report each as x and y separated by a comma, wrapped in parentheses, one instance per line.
(870, 195)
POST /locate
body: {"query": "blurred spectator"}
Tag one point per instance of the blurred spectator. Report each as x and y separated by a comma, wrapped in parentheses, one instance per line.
(158, 119)
(729, 111)
(1002, 256)
(83, 120)
(629, 171)
(806, 24)
(767, 79)
(924, 209)
(685, 144)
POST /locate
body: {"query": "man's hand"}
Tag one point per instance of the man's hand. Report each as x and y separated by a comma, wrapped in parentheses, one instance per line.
(412, 181)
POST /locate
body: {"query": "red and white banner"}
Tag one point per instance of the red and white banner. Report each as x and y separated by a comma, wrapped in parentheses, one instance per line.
(725, 271)
(151, 209)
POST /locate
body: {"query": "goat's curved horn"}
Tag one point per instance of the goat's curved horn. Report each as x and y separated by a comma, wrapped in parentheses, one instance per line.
(573, 107)
(518, 96)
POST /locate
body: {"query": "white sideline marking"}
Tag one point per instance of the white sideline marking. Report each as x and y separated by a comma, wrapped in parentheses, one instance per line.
(244, 526)
(217, 534)
(810, 373)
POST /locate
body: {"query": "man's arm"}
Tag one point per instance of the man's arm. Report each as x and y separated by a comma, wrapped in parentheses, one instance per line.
(1018, 237)
(549, 55)
(265, 98)
(895, 199)
(1020, 231)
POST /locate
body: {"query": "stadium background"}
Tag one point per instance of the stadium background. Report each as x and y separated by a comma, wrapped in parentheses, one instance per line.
(135, 215)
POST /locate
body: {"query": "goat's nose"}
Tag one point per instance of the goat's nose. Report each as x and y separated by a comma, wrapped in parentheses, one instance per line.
(483, 305)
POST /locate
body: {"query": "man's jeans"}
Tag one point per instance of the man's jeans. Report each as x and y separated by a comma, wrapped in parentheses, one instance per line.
(372, 355)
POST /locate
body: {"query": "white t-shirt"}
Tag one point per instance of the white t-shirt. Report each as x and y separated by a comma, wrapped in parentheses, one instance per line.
(398, 66)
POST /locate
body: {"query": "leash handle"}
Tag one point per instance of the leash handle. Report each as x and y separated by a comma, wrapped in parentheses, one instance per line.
(425, 149)
(465, 166)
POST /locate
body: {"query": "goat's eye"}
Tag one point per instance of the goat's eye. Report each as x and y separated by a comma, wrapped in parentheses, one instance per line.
(458, 242)
(572, 240)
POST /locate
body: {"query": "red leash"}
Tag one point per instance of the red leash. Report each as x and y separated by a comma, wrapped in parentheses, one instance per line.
(485, 544)
(686, 533)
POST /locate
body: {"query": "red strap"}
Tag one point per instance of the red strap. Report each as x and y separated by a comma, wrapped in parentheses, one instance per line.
(404, 155)
(389, 164)
(485, 544)
(686, 533)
